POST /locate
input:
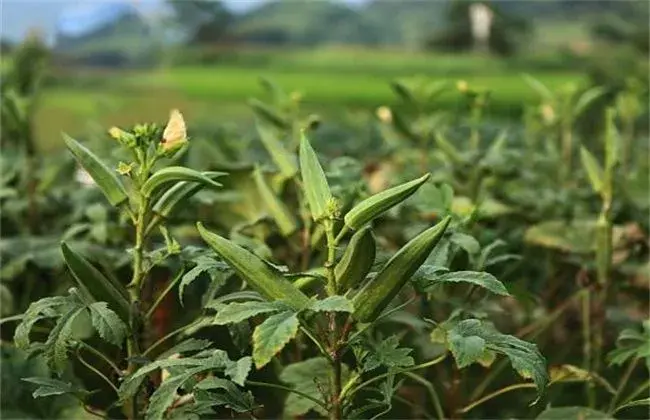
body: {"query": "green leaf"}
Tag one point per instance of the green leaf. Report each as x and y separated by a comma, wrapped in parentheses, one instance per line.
(573, 413)
(593, 169)
(630, 344)
(403, 126)
(377, 204)
(447, 148)
(467, 242)
(59, 341)
(203, 265)
(403, 91)
(586, 99)
(274, 205)
(272, 335)
(307, 377)
(239, 370)
(237, 312)
(109, 326)
(469, 339)
(268, 114)
(283, 159)
(315, 184)
(229, 397)
(105, 178)
(49, 387)
(95, 284)
(389, 355)
(482, 279)
(612, 140)
(166, 394)
(50, 307)
(332, 304)
(539, 87)
(175, 174)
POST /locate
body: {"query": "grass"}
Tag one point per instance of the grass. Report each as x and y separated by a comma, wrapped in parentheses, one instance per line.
(331, 80)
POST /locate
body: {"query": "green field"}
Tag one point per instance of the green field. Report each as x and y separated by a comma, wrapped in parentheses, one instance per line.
(330, 80)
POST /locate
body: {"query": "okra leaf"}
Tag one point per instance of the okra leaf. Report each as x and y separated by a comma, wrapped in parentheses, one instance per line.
(310, 377)
(49, 387)
(237, 312)
(204, 264)
(274, 205)
(586, 99)
(314, 182)
(109, 326)
(332, 304)
(228, 395)
(272, 335)
(268, 114)
(389, 355)
(469, 339)
(238, 371)
(467, 242)
(478, 278)
(593, 169)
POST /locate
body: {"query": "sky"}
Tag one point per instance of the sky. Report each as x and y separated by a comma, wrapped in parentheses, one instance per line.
(17, 17)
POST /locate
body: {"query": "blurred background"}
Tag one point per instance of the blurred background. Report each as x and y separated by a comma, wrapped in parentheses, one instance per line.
(120, 62)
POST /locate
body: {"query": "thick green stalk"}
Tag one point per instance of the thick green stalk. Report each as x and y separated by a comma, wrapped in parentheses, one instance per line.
(335, 408)
(586, 343)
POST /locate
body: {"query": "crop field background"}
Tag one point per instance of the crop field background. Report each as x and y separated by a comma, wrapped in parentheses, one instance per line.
(342, 209)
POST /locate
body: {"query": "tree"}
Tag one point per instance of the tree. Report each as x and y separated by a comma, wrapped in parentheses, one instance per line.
(507, 30)
(202, 21)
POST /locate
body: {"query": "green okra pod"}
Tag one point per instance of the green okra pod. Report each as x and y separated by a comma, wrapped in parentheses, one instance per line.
(178, 173)
(263, 278)
(374, 206)
(357, 260)
(373, 298)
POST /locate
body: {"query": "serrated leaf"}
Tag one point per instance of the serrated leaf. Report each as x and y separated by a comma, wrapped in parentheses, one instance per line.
(478, 278)
(237, 312)
(229, 397)
(467, 242)
(238, 371)
(315, 184)
(166, 394)
(389, 355)
(203, 265)
(109, 326)
(272, 335)
(635, 403)
(50, 307)
(49, 387)
(593, 169)
(60, 340)
(332, 304)
(468, 339)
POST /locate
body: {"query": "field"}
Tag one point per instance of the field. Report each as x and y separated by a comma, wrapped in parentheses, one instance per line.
(331, 81)
(406, 253)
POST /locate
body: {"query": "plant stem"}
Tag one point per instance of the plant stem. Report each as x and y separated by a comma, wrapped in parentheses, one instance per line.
(170, 335)
(413, 406)
(101, 356)
(97, 372)
(567, 150)
(637, 391)
(285, 388)
(494, 394)
(331, 256)
(586, 345)
(621, 385)
(435, 399)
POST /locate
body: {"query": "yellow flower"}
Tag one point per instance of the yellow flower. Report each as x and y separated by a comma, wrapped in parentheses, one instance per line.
(462, 86)
(384, 114)
(175, 134)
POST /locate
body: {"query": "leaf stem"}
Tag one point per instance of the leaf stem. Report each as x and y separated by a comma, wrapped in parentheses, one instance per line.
(621, 385)
(432, 392)
(384, 375)
(309, 334)
(170, 335)
(494, 394)
(163, 294)
(97, 372)
(285, 388)
(102, 356)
